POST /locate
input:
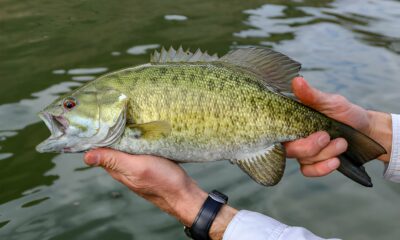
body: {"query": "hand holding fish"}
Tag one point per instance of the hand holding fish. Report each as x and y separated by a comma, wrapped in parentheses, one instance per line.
(317, 153)
(162, 182)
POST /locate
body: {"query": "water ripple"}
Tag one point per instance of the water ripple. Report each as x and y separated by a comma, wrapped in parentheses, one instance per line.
(83, 71)
(141, 49)
(175, 17)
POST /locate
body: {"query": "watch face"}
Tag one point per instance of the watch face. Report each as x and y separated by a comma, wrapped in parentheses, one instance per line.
(219, 197)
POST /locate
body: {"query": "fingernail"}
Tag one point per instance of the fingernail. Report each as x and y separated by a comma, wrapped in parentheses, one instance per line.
(341, 145)
(323, 140)
(92, 159)
(333, 163)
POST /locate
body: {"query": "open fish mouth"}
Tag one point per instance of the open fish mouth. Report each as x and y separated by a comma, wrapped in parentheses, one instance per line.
(56, 124)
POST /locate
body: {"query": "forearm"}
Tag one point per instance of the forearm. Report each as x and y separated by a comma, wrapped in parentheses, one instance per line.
(392, 171)
(243, 225)
(256, 226)
(380, 129)
(221, 222)
(187, 204)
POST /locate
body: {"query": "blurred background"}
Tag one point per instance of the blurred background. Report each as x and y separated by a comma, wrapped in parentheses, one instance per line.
(50, 47)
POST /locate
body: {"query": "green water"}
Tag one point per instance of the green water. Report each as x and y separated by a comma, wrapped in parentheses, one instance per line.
(49, 47)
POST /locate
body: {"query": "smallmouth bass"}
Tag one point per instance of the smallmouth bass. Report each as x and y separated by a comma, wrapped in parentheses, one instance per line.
(194, 107)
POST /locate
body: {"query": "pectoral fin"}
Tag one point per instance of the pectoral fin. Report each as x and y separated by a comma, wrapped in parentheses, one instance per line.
(267, 167)
(151, 130)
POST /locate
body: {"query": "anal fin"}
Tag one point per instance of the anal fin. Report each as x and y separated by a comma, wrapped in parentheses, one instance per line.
(265, 168)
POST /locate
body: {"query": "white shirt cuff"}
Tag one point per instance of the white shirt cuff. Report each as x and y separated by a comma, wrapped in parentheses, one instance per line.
(252, 225)
(255, 226)
(392, 172)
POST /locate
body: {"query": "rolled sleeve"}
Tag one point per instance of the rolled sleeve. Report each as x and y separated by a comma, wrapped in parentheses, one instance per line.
(392, 172)
(255, 226)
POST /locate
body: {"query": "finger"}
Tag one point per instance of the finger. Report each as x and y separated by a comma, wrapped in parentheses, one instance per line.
(307, 147)
(330, 104)
(320, 169)
(307, 94)
(333, 149)
(107, 158)
(311, 96)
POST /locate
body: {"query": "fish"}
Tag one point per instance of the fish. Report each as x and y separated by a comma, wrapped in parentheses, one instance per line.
(196, 107)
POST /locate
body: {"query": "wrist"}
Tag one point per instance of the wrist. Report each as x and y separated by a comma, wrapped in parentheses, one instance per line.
(189, 205)
(221, 222)
(380, 129)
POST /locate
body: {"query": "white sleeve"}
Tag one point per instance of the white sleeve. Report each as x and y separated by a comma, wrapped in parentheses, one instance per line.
(255, 226)
(392, 172)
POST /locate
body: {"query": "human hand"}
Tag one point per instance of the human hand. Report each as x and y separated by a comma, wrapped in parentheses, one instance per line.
(317, 153)
(162, 182)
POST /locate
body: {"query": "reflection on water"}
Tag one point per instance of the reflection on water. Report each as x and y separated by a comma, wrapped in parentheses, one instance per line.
(115, 53)
(5, 155)
(80, 71)
(142, 49)
(16, 116)
(83, 78)
(59, 71)
(175, 17)
(51, 48)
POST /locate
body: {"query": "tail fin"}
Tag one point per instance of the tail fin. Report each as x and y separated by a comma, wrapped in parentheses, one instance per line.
(361, 149)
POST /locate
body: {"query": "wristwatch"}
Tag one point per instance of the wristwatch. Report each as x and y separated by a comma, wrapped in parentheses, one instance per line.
(202, 223)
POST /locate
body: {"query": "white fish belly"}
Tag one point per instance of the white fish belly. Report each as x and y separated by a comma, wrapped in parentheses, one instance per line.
(187, 151)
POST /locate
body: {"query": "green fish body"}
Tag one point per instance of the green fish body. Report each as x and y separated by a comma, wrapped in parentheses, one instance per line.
(198, 108)
(215, 110)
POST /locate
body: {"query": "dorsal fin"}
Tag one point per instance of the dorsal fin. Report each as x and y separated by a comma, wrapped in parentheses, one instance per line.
(276, 69)
(181, 55)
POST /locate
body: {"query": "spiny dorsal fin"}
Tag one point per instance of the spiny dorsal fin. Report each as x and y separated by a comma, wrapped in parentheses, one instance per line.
(276, 69)
(267, 167)
(181, 55)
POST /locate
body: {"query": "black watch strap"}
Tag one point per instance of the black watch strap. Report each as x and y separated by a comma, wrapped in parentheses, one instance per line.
(202, 223)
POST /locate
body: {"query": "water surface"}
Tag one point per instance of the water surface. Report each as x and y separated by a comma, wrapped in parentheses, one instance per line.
(48, 48)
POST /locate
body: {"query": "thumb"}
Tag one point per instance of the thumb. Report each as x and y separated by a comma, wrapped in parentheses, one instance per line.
(107, 158)
(308, 95)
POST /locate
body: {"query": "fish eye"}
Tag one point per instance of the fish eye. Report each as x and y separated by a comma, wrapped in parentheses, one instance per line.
(69, 103)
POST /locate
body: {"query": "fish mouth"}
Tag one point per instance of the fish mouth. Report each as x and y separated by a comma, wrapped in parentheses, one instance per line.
(57, 126)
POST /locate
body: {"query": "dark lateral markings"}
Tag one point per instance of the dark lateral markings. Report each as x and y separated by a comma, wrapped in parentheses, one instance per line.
(210, 84)
(163, 70)
(192, 77)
